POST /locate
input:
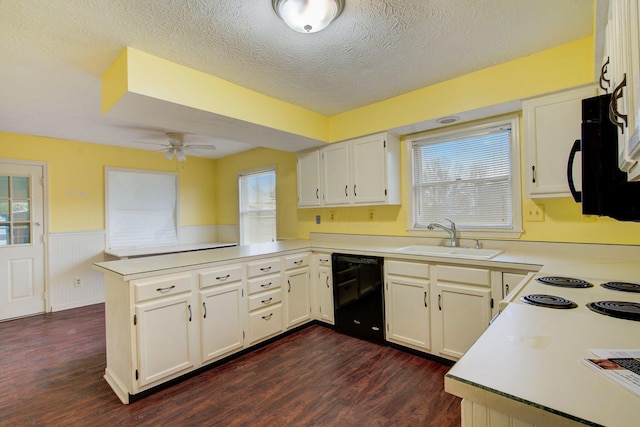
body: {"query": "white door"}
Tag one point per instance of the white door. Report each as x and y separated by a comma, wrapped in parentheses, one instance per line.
(21, 240)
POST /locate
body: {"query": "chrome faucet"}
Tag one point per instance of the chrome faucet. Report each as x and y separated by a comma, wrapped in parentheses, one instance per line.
(451, 230)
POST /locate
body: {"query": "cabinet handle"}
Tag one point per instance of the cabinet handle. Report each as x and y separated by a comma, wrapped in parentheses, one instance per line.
(204, 305)
(603, 71)
(298, 262)
(267, 317)
(266, 301)
(614, 114)
(324, 260)
(533, 174)
(289, 282)
(265, 285)
(354, 190)
(425, 299)
(346, 188)
(317, 193)
(167, 289)
(189, 307)
(327, 281)
(506, 289)
(223, 277)
(265, 268)
(439, 299)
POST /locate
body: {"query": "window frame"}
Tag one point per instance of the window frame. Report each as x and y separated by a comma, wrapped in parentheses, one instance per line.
(272, 169)
(515, 231)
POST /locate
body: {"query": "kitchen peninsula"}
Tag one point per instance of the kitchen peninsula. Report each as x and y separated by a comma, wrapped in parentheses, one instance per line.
(500, 376)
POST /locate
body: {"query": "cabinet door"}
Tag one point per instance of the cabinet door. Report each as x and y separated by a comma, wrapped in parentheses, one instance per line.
(408, 312)
(510, 281)
(221, 317)
(325, 292)
(368, 170)
(164, 338)
(464, 312)
(551, 126)
(335, 174)
(309, 193)
(298, 309)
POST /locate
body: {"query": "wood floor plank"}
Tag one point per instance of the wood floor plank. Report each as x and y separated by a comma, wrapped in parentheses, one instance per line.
(51, 369)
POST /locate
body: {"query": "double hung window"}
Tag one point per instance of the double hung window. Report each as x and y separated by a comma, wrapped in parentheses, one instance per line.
(469, 174)
(257, 191)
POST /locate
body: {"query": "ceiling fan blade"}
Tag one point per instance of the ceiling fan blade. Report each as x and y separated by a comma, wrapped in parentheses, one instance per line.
(200, 147)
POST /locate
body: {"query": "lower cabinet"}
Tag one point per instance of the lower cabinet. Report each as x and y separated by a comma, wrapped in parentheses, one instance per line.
(407, 304)
(164, 323)
(462, 308)
(297, 296)
(324, 288)
(221, 312)
(265, 299)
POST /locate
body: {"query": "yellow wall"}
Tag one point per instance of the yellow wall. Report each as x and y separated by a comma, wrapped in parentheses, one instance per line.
(227, 170)
(76, 179)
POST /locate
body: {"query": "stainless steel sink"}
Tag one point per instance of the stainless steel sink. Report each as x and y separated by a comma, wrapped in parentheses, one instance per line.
(445, 251)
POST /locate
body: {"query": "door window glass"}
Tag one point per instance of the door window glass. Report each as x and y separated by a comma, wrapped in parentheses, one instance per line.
(15, 210)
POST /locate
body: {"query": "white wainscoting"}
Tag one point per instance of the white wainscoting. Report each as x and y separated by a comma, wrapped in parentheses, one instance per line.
(71, 256)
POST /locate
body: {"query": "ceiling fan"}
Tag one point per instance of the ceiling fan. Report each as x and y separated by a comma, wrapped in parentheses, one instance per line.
(175, 146)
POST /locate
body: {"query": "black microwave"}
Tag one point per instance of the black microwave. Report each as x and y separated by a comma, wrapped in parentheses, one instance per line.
(605, 189)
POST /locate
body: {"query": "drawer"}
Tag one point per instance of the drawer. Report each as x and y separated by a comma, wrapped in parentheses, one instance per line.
(265, 299)
(323, 260)
(220, 276)
(404, 268)
(156, 287)
(296, 261)
(262, 267)
(265, 283)
(265, 323)
(471, 276)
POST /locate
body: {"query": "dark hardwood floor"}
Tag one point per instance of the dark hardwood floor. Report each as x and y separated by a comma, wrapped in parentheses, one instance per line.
(51, 369)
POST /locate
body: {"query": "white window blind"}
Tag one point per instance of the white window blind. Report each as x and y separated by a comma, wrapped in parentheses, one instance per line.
(142, 208)
(465, 176)
(257, 206)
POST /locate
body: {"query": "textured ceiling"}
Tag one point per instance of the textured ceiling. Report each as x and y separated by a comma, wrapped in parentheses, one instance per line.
(53, 53)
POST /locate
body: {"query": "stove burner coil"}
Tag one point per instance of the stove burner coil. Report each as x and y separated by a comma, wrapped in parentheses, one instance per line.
(618, 309)
(622, 286)
(550, 301)
(564, 282)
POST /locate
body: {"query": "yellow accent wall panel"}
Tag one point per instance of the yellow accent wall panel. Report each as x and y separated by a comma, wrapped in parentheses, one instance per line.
(76, 179)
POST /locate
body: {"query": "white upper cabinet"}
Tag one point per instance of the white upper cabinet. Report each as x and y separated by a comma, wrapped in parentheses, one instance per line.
(309, 179)
(362, 171)
(623, 71)
(551, 126)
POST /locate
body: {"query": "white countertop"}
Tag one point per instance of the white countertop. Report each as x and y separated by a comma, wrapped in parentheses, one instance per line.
(531, 355)
(159, 250)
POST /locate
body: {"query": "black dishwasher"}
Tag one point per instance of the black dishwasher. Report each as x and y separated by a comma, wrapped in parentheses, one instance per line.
(357, 296)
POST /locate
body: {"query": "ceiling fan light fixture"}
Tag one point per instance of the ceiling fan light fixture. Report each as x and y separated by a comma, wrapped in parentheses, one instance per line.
(169, 153)
(180, 155)
(308, 16)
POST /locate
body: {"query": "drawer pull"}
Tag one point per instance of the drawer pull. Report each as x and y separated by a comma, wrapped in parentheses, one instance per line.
(298, 262)
(223, 277)
(324, 260)
(265, 268)
(267, 317)
(167, 289)
(266, 285)
(267, 301)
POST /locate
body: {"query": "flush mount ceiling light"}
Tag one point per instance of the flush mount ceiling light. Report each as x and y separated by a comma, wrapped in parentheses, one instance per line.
(308, 16)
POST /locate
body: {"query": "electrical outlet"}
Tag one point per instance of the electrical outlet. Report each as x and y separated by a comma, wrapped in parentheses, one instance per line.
(77, 282)
(534, 213)
(317, 219)
(371, 214)
(332, 215)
